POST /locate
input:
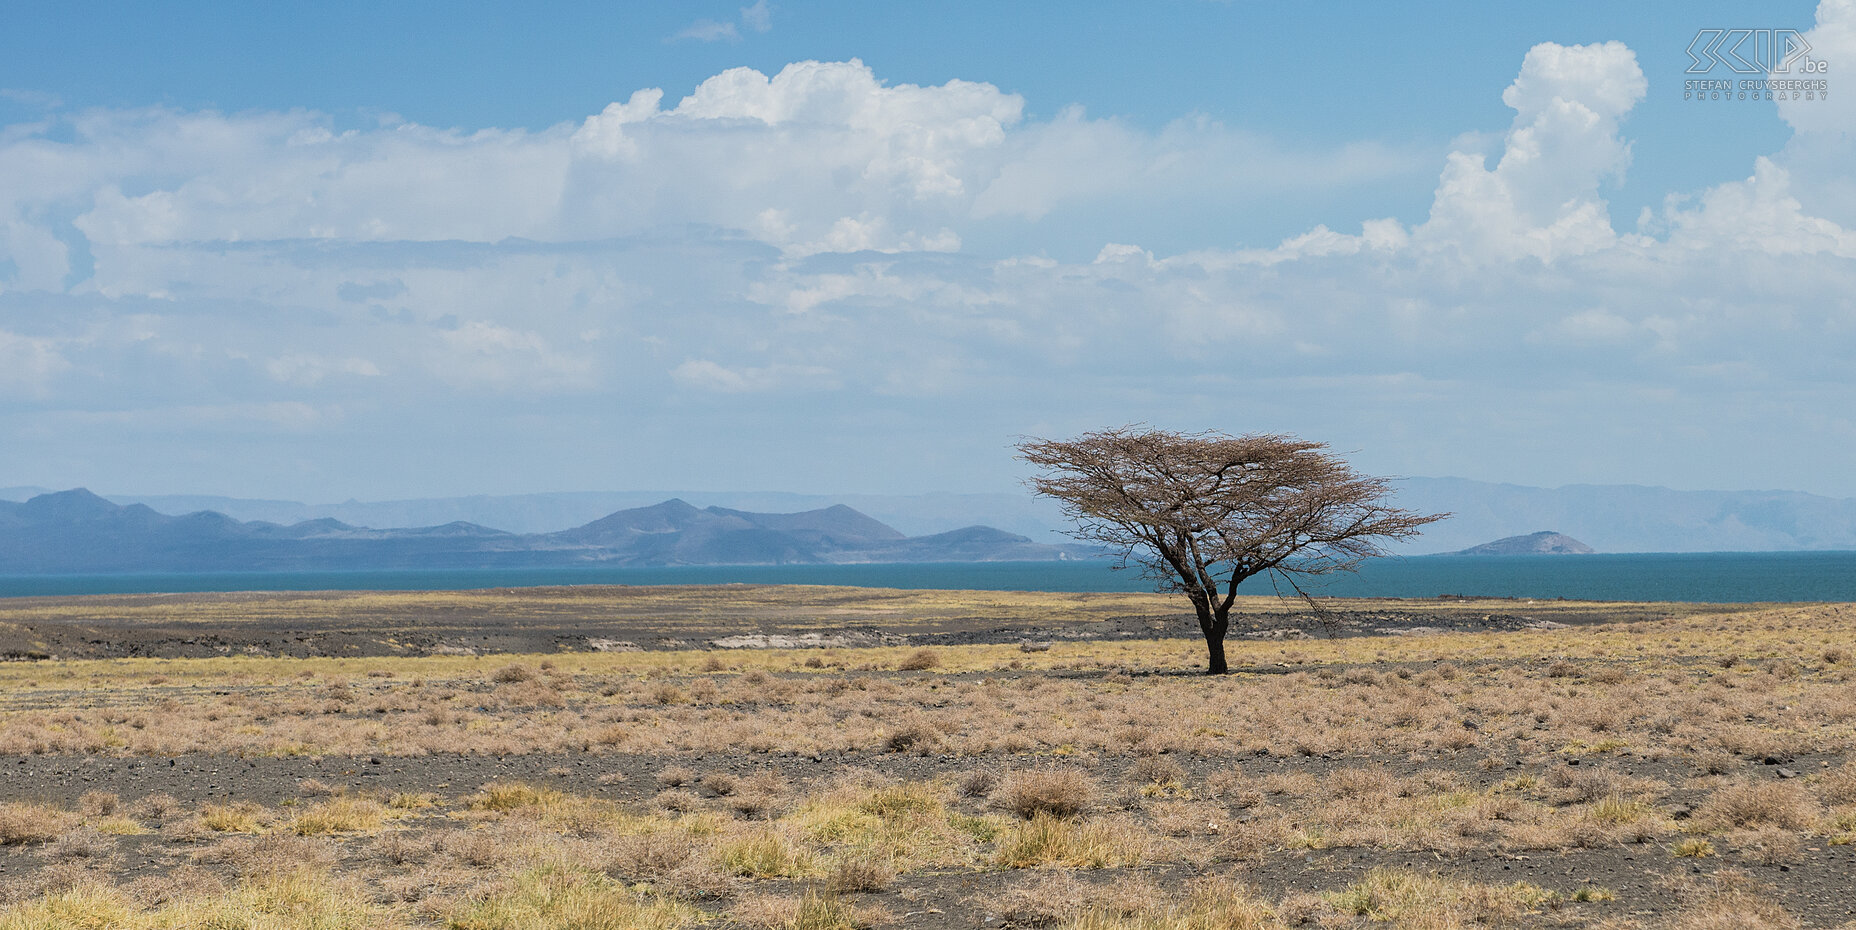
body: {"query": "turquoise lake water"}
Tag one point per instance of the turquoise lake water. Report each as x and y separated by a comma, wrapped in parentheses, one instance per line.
(1710, 577)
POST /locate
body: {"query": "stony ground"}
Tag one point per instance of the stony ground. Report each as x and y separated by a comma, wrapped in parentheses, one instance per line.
(968, 759)
(594, 618)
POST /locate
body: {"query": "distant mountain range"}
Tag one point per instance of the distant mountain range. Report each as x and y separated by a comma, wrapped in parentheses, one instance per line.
(1629, 518)
(911, 514)
(1610, 518)
(77, 531)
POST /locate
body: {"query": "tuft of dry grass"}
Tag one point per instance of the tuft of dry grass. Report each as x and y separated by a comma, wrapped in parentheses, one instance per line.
(1839, 785)
(1157, 771)
(508, 796)
(1728, 900)
(235, 817)
(920, 660)
(567, 898)
(339, 815)
(22, 824)
(513, 673)
(866, 871)
(1210, 904)
(288, 899)
(651, 854)
(765, 853)
(978, 783)
(913, 733)
(157, 807)
(678, 800)
(1045, 840)
(1132, 903)
(85, 842)
(1052, 792)
(674, 776)
(1050, 899)
(1757, 804)
(810, 911)
(98, 803)
(1414, 899)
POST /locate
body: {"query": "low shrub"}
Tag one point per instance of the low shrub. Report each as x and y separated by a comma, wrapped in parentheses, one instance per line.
(1054, 792)
(912, 733)
(866, 871)
(920, 660)
(513, 673)
(1755, 804)
(21, 824)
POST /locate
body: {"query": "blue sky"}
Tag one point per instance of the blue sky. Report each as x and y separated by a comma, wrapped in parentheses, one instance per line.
(1307, 75)
(331, 250)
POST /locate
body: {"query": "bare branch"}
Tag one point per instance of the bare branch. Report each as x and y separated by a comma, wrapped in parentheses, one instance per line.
(1195, 509)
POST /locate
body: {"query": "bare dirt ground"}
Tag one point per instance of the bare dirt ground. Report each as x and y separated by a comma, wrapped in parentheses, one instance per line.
(827, 757)
(533, 620)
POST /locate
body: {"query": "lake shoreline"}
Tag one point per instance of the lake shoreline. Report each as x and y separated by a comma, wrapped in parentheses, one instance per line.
(1756, 577)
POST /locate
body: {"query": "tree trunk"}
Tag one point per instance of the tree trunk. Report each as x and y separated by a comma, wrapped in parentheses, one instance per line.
(1214, 645)
(1213, 623)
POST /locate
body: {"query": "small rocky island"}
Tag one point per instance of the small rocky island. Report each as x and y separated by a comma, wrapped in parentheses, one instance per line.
(1545, 542)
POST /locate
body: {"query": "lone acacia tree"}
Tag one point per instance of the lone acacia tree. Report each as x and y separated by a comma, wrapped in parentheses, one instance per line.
(1201, 512)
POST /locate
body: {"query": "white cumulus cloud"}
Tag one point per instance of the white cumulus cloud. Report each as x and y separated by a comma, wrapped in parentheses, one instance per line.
(1541, 199)
(674, 267)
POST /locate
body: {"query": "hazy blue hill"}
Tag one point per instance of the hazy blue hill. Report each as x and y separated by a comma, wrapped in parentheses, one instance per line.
(459, 528)
(751, 546)
(682, 535)
(1545, 542)
(622, 527)
(283, 513)
(1611, 518)
(76, 531)
(1630, 518)
(676, 533)
(836, 521)
(968, 544)
(307, 529)
(909, 514)
(78, 505)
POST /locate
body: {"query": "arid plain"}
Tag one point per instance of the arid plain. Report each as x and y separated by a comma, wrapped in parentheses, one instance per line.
(788, 757)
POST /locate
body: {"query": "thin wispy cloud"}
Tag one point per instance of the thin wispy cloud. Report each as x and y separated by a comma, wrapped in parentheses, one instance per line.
(708, 30)
(31, 98)
(756, 18)
(759, 17)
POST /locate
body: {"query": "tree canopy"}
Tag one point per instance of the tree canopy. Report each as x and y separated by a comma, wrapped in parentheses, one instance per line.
(1202, 512)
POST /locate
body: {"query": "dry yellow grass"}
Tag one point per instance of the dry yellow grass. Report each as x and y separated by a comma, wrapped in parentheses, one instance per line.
(339, 815)
(1017, 769)
(22, 824)
(1653, 686)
